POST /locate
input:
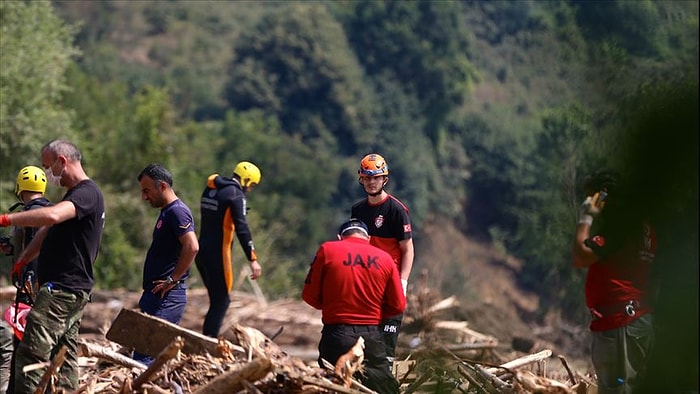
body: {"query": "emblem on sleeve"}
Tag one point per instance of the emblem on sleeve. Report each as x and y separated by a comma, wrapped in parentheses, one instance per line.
(598, 240)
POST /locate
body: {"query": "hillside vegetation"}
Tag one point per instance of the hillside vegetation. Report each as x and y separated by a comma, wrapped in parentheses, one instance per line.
(489, 114)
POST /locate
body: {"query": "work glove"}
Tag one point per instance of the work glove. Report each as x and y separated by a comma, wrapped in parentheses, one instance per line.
(17, 272)
(4, 220)
(404, 285)
(590, 209)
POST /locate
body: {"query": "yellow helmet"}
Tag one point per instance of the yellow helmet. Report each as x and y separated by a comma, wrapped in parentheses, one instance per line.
(31, 179)
(373, 165)
(248, 172)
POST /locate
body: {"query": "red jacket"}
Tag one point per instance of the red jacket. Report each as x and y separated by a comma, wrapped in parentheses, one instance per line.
(353, 282)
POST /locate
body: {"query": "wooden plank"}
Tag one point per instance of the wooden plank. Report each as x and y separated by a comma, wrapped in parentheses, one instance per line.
(150, 335)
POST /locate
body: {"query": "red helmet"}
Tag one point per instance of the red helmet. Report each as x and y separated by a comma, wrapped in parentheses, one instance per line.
(373, 165)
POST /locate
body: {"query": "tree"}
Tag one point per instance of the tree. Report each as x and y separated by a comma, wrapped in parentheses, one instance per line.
(295, 64)
(35, 48)
(423, 45)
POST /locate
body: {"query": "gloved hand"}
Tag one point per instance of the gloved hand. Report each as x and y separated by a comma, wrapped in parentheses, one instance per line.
(404, 284)
(589, 209)
(4, 220)
(17, 271)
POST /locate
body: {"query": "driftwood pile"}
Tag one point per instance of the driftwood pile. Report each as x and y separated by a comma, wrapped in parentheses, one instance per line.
(254, 365)
(447, 356)
(433, 355)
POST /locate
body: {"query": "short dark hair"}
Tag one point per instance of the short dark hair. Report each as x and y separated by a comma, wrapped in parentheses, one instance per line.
(353, 226)
(603, 179)
(158, 173)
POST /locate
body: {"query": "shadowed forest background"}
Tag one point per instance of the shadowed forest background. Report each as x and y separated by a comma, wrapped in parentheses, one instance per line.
(490, 115)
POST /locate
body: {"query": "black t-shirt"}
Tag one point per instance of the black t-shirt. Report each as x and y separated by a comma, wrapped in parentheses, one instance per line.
(70, 248)
(388, 223)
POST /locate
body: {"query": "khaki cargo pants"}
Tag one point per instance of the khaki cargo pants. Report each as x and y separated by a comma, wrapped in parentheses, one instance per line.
(52, 323)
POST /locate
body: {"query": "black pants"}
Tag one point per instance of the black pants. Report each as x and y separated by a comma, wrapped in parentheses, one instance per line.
(389, 328)
(337, 339)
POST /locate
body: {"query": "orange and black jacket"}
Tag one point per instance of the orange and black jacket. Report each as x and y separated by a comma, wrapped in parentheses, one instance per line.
(223, 210)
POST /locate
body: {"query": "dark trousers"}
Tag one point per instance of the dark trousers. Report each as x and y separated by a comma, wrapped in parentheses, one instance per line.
(219, 300)
(337, 339)
(170, 308)
(389, 328)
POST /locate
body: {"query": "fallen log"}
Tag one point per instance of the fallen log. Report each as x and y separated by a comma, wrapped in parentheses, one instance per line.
(493, 379)
(444, 304)
(336, 388)
(461, 327)
(52, 370)
(351, 361)
(539, 384)
(522, 361)
(231, 381)
(92, 350)
(572, 377)
(171, 351)
(154, 334)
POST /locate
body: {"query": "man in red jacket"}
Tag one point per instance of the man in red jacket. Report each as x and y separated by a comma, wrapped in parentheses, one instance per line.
(355, 285)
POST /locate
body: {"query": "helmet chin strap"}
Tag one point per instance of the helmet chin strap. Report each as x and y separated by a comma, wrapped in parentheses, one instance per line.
(376, 194)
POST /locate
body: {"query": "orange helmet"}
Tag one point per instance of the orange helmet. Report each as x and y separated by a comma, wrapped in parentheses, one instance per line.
(373, 165)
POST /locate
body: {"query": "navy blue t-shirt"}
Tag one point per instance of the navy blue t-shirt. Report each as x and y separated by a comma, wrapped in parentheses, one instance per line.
(175, 219)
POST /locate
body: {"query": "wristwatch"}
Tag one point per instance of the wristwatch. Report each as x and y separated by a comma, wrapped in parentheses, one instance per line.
(169, 280)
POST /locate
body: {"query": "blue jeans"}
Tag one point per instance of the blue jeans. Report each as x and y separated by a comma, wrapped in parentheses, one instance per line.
(170, 308)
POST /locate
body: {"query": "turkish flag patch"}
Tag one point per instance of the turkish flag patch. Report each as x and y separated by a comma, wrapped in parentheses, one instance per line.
(407, 228)
(598, 240)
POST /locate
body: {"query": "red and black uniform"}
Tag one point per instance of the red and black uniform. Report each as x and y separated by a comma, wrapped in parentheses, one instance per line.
(388, 223)
(223, 214)
(620, 278)
(355, 284)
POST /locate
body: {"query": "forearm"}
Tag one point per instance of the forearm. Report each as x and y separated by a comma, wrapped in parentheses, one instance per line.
(32, 250)
(582, 255)
(407, 256)
(58, 213)
(190, 248)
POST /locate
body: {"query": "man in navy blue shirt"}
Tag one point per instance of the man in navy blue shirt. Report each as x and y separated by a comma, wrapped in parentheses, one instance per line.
(172, 250)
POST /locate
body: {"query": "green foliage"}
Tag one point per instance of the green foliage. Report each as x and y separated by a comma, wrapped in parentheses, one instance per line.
(36, 49)
(127, 235)
(424, 46)
(295, 63)
(640, 27)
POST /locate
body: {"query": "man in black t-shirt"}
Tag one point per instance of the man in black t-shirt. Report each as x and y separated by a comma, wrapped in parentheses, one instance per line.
(67, 246)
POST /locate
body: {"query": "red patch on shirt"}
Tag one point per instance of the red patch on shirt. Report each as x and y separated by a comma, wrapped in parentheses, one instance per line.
(598, 240)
